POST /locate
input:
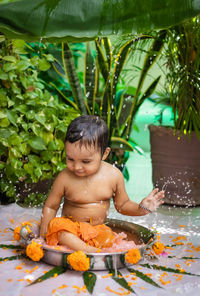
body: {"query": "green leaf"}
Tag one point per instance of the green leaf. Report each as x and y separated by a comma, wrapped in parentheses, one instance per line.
(90, 78)
(4, 122)
(23, 65)
(169, 269)
(17, 257)
(16, 247)
(43, 64)
(37, 143)
(51, 273)
(119, 278)
(125, 173)
(2, 165)
(9, 59)
(9, 66)
(3, 75)
(84, 20)
(121, 143)
(144, 277)
(2, 114)
(19, 46)
(70, 71)
(28, 167)
(12, 116)
(89, 279)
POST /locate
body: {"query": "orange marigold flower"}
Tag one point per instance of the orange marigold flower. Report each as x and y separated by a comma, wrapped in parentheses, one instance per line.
(158, 248)
(17, 233)
(34, 251)
(79, 261)
(133, 256)
(26, 223)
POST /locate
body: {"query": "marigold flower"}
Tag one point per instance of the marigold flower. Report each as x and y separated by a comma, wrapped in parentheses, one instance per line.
(34, 251)
(26, 223)
(17, 233)
(133, 256)
(158, 248)
(79, 261)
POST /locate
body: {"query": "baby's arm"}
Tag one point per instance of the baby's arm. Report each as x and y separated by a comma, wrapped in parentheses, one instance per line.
(52, 204)
(130, 208)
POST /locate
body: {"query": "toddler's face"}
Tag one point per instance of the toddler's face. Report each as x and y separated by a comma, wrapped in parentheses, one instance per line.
(82, 160)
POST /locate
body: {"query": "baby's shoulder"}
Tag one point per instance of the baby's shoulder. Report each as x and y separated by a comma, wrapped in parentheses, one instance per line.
(63, 174)
(111, 170)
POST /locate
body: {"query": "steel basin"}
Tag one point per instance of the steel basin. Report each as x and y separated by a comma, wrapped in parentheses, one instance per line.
(137, 233)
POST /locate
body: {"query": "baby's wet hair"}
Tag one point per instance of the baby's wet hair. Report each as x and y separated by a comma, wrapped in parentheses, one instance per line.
(89, 130)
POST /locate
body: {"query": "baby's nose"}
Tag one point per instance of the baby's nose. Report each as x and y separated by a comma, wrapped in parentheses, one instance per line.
(77, 166)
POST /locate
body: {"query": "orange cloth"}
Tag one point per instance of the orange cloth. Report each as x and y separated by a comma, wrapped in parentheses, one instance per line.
(99, 236)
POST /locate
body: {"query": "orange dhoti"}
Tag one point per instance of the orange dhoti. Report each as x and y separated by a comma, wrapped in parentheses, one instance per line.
(99, 236)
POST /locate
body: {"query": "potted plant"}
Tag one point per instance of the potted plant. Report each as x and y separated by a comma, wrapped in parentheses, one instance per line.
(175, 151)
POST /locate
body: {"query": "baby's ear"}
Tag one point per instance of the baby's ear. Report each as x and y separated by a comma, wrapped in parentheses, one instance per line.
(106, 153)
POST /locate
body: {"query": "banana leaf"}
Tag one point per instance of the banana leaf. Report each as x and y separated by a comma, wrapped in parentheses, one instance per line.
(67, 20)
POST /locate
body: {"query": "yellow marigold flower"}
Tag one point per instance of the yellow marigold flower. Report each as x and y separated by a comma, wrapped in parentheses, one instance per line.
(158, 248)
(34, 251)
(133, 256)
(79, 261)
(17, 233)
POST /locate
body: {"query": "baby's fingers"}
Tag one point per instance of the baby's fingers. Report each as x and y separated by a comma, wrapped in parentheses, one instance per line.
(160, 195)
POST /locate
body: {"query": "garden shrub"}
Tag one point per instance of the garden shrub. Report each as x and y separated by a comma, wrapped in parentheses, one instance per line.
(33, 124)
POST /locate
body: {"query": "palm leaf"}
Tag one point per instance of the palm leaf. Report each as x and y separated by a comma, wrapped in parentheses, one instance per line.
(150, 58)
(89, 279)
(51, 273)
(121, 59)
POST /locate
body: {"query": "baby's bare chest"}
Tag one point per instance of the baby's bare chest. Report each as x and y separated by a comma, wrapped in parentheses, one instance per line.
(89, 192)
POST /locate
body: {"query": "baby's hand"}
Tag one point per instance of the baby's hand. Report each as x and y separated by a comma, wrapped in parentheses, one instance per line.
(153, 200)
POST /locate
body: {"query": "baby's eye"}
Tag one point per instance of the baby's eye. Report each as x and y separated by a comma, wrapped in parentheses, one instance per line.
(69, 159)
(86, 161)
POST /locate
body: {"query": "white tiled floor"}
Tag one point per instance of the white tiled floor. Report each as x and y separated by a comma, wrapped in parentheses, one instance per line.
(173, 224)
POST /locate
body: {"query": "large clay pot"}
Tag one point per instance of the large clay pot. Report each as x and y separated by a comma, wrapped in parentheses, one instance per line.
(176, 165)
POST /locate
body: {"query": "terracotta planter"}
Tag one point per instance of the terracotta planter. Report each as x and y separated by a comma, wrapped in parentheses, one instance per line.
(175, 165)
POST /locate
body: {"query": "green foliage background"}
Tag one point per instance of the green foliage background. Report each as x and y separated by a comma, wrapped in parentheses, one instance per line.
(33, 123)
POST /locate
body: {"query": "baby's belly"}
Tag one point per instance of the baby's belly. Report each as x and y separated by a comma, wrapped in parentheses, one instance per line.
(95, 213)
